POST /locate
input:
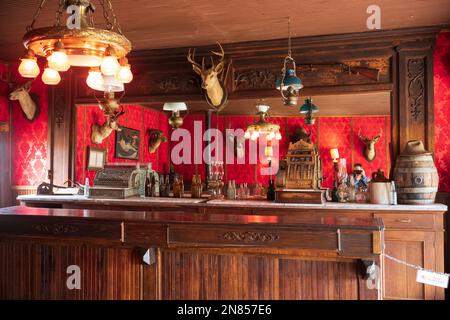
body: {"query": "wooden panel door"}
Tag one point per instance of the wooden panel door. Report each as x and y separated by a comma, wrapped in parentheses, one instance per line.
(415, 247)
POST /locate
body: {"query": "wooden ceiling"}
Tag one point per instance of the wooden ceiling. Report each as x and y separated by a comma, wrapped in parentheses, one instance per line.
(151, 24)
(363, 104)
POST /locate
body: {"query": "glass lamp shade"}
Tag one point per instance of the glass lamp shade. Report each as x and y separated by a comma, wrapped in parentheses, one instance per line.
(268, 151)
(29, 68)
(334, 153)
(175, 106)
(270, 136)
(109, 84)
(247, 134)
(290, 80)
(95, 79)
(124, 74)
(309, 106)
(262, 107)
(51, 77)
(110, 66)
(58, 61)
(78, 60)
(254, 136)
(278, 136)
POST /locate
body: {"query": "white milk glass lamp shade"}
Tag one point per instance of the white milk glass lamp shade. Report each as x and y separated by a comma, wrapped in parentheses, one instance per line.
(58, 61)
(175, 106)
(29, 68)
(51, 77)
(110, 66)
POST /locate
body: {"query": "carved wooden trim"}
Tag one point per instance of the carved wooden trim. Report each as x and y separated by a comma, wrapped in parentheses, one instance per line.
(178, 84)
(254, 79)
(416, 88)
(250, 236)
(55, 229)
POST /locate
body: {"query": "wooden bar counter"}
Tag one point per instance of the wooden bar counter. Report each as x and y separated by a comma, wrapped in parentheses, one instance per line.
(296, 269)
(219, 256)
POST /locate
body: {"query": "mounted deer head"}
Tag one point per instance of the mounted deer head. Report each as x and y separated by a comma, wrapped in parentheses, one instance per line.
(27, 102)
(109, 104)
(156, 138)
(99, 133)
(369, 149)
(216, 93)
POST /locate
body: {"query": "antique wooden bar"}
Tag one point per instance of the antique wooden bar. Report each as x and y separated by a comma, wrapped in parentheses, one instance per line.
(412, 233)
(190, 256)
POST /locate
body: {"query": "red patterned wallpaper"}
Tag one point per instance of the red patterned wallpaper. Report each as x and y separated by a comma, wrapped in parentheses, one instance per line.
(187, 170)
(340, 132)
(29, 142)
(135, 117)
(442, 109)
(30, 139)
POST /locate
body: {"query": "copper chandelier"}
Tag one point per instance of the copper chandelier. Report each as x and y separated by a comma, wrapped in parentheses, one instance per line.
(79, 43)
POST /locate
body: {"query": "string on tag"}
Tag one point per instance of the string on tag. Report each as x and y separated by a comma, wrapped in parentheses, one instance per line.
(410, 264)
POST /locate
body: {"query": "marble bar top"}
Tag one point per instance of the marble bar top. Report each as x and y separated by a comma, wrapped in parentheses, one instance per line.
(229, 203)
(80, 198)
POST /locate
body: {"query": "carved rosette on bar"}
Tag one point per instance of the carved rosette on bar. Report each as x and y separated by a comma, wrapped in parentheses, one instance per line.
(415, 175)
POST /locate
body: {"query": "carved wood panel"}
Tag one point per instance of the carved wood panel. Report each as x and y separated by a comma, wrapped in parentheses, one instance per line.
(413, 104)
(416, 88)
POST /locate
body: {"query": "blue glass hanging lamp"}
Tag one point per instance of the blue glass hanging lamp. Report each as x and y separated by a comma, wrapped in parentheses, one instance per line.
(289, 84)
(308, 109)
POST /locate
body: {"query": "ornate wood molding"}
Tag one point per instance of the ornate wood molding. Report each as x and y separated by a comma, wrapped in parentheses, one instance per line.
(413, 101)
(178, 83)
(250, 236)
(254, 79)
(55, 229)
(416, 88)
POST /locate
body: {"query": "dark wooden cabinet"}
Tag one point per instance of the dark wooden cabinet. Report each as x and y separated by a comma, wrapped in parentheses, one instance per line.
(416, 238)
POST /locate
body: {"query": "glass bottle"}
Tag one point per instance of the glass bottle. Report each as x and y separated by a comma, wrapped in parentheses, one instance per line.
(153, 187)
(148, 185)
(162, 186)
(271, 190)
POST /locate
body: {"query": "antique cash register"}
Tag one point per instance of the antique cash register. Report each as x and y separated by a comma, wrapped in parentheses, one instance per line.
(299, 179)
(117, 182)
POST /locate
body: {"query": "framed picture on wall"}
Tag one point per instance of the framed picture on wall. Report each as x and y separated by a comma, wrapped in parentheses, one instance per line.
(127, 144)
(96, 158)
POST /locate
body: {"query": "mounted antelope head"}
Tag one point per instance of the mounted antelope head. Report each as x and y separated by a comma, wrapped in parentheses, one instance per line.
(28, 102)
(156, 138)
(369, 149)
(216, 93)
(99, 133)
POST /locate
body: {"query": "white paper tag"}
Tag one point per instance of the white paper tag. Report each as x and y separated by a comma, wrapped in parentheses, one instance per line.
(432, 278)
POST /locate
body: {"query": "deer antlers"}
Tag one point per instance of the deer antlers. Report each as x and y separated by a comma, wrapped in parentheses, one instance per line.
(201, 68)
(369, 149)
(374, 139)
(195, 66)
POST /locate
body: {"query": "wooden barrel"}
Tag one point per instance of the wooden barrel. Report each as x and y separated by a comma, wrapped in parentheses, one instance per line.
(416, 178)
